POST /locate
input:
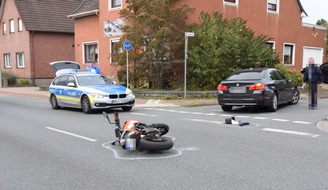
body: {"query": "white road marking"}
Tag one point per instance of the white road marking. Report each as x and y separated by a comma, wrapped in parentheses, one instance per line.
(196, 113)
(228, 115)
(150, 115)
(71, 134)
(280, 119)
(262, 118)
(212, 114)
(301, 122)
(242, 116)
(290, 132)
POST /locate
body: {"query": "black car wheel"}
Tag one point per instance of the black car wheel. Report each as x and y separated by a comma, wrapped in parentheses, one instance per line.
(53, 102)
(274, 103)
(226, 108)
(85, 104)
(296, 97)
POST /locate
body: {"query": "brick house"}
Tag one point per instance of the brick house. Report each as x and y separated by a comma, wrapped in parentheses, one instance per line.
(97, 25)
(33, 34)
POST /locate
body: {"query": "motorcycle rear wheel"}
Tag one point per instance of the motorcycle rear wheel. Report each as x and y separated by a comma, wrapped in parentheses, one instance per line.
(163, 128)
(164, 144)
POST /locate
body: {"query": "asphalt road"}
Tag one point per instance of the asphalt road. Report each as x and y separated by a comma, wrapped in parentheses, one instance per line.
(43, 148)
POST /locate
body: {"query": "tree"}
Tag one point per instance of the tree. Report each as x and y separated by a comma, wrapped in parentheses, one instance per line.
(156, 29)
(221, 46)
(323, 22)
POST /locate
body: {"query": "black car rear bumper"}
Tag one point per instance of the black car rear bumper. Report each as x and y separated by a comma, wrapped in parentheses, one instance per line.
(260, 99)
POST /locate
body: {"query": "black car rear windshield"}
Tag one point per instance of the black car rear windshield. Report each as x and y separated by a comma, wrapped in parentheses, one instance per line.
(247, 76)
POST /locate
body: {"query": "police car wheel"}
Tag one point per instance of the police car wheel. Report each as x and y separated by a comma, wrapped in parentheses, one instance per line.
(53, 102)
(85, 104)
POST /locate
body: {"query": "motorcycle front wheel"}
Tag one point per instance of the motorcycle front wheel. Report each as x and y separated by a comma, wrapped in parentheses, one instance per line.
(156, 145)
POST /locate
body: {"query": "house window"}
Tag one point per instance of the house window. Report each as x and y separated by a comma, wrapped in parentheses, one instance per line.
(271, 44)
(273, 5)
(20, 25)
(12, 26)
(91, 52)
(20, 60)
(114, 51)
(289, 54)
(6, 58)
(230, 2)
(115, 3)
(4, 26)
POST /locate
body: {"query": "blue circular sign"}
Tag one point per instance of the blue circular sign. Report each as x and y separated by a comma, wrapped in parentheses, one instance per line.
(127, 45)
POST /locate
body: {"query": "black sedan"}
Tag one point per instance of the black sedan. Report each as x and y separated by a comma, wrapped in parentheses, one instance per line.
(257, 87)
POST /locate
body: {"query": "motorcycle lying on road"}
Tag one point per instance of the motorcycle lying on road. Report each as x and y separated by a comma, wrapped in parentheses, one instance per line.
(135, 135)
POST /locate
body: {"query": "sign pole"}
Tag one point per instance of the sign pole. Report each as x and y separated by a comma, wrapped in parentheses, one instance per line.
(127, 68)
(127, 45)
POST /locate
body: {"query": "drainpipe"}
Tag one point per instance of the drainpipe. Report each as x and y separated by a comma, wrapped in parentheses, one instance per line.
(32, 58)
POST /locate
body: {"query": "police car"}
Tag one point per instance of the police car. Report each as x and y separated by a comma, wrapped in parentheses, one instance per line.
(87, 90)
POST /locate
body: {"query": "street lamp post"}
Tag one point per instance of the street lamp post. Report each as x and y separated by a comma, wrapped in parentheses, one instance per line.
(187, 34)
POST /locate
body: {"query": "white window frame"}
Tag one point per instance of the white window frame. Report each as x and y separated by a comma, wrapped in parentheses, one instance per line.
(20, 25)
(276, 2)
(20, 60)
(111, 7)
(96, 52)
(231, 3)
(6, 58)
(12, 25)
(4, 26)
(111, 42)
(273, 44)
(293, 53)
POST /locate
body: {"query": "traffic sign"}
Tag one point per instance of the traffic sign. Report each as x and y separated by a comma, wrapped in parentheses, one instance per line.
(127, 45)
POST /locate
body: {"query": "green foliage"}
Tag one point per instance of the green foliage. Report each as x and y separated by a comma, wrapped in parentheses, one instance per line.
(221, 46)
(156, 29)
(25, 82)
(296, 77)
(11, 78)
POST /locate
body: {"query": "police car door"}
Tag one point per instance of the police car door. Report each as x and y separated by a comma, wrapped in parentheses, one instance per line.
(71, 92)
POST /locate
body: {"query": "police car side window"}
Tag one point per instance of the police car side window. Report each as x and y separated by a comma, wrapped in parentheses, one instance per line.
(71, 80)
(62, 81)
(55, 82)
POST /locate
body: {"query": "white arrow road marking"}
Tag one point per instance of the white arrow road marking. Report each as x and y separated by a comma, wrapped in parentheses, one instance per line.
(71, 134)
(290, 132)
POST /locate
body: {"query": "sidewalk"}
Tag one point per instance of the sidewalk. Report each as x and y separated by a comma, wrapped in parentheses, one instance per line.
(37, 93)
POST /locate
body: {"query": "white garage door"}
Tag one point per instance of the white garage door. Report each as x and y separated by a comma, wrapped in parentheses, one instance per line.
(316, 53)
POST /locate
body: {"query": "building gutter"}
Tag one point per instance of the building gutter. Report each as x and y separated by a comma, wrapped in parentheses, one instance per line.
(84, 14)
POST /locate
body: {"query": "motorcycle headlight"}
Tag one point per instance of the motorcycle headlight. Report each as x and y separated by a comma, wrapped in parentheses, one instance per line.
(99, 96)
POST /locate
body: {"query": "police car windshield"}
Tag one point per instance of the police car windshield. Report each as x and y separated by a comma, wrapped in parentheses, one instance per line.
(87, 80)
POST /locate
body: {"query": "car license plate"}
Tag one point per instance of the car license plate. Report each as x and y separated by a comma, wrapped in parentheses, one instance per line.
(116, 101)
(237, 90)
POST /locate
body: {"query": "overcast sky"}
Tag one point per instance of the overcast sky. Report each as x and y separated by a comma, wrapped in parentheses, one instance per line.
(316, 10)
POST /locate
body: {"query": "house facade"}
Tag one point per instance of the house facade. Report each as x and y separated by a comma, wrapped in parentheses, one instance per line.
(97, 29)
(33, 34)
